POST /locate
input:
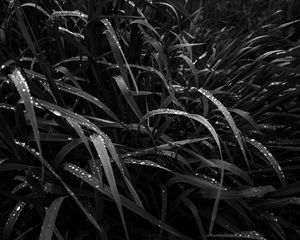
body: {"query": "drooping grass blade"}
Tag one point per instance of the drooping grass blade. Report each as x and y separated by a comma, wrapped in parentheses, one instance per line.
(270, 159)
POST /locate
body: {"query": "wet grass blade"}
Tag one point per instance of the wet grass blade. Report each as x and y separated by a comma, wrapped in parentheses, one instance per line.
(100, 147)
(23, 89)
(228, 117)
(270, 159)
(118, 53)
(13, 217)
(50, 218)
(128, 96)
(241, 235)
(195, 117)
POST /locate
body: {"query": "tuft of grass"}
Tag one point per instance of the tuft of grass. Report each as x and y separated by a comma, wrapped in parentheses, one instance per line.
(149, 120)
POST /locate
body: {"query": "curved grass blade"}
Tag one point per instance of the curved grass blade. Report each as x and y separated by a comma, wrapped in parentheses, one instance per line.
(228, 117)
(194, 211)
(121, 165)
(146, 24)
(23, 89)
(75, 13)
(37, 7)
(49, 220)
(195, 117)
(270, 159)
(13, 217)
(100, 147)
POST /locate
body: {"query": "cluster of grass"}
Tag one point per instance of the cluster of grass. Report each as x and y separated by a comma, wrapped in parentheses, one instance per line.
(147, 120)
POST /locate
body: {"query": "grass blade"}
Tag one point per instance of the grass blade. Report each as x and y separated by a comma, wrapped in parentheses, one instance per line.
(99, 144)
(270, 159)
(23, 89)
(13, 217)
(49, 220)
(228, 117)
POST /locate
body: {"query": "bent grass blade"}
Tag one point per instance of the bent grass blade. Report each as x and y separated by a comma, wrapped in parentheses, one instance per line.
(270, 159)
(228, 117)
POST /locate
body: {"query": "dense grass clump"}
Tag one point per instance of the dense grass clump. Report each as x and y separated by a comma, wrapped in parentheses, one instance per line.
(149, 120)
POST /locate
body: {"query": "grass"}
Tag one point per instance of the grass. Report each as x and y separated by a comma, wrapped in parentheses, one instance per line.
(149, 120)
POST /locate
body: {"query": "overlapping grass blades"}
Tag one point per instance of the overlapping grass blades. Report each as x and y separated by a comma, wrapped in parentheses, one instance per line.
(88, 178)
(165, 97)
(105, 160)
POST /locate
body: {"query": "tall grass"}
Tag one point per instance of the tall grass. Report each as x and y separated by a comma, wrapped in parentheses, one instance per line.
(147, 120)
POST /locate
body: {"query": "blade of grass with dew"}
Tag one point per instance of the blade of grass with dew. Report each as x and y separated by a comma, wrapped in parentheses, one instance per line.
(36, 7)
(75, 13)
(195, 117)
(270, 159)
(58, 177)
(100, 147)
(127, 95)
(88, 178)
(13, 217)
(23, 89)
(50, 218)
(123, 170)
(65, 113)
(118, 53)
(35, 51)
(240, 235)
(228, 117)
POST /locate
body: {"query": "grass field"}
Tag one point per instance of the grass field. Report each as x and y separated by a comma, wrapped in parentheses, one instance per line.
(149, 119)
